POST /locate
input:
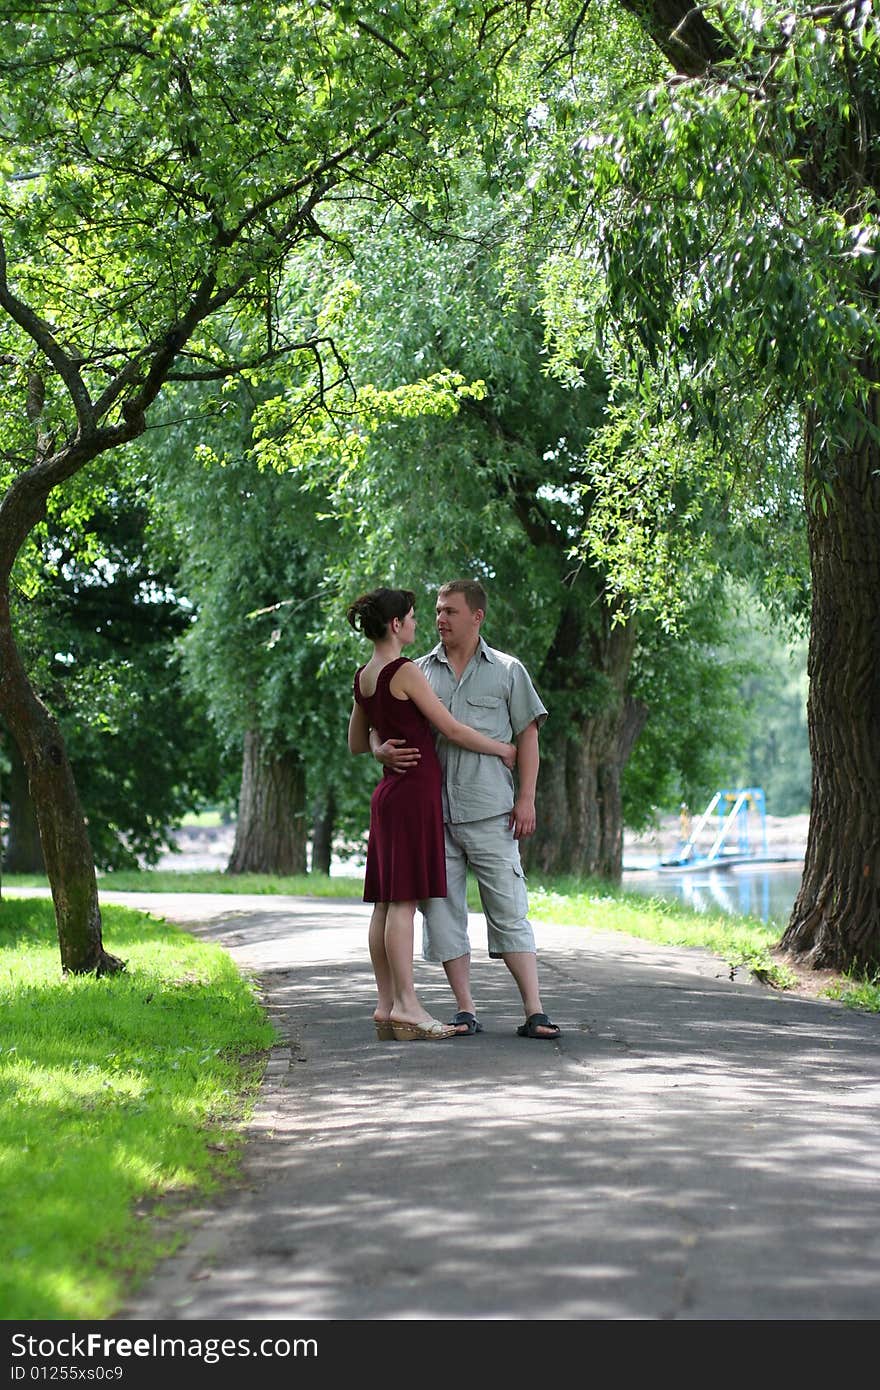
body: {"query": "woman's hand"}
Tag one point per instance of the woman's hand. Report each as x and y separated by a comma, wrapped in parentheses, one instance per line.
(508, 757)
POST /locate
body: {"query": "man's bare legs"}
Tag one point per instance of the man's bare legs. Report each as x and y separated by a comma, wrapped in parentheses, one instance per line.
(458, 973)
(523, 966)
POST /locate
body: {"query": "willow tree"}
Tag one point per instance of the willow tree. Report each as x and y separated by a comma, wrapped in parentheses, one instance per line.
(501, 486)
(499, 491)
(734, 204)
(253, 565)
(160, 163)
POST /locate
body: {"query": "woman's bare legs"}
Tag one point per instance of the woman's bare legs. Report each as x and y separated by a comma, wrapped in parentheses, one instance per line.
(381, 966)
(399, 920)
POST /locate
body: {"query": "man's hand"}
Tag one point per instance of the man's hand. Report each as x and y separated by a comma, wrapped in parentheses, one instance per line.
(522, 818)
(393, 753)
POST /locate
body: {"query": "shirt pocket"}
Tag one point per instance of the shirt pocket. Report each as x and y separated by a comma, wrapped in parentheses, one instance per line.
(488, 714)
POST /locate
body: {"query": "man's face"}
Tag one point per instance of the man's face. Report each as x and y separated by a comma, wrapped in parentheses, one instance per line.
(456, 624)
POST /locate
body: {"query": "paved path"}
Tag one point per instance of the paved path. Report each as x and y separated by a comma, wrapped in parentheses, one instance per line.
(691, 1148)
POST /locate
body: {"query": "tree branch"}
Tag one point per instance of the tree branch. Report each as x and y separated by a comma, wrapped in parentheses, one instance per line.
(220, 373)
(318, 178)
(683, 34)
(37, 329)
(568, 48)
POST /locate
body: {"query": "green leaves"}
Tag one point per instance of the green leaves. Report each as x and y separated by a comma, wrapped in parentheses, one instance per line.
(159, 158)
(722, 253)
(734, 197)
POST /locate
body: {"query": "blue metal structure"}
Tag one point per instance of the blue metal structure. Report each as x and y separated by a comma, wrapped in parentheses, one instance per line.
(731, 808)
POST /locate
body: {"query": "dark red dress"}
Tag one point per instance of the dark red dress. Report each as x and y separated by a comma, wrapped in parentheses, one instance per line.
(406, 859)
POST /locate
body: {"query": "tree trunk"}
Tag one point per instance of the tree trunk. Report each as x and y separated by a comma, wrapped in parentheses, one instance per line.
(579, 805)
(66, 849)
(23, 853)
(835, 923)
(585, 749)
(270, 834)
(322, 834)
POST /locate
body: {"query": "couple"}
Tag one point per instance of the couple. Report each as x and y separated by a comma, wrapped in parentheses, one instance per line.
(438, 811)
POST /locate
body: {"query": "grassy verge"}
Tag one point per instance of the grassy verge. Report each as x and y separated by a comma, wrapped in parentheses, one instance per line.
(739, 941)
(112, 1091)
(861, 992)
(211, 881)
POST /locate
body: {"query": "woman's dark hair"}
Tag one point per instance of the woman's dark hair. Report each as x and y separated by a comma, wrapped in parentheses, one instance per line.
(373, 612)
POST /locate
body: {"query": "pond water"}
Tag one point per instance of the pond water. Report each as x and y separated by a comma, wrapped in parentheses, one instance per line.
(758, 890)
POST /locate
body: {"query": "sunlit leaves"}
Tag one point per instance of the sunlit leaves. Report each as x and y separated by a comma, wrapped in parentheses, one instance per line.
(161, 156)
(722, 252)
(740, 200)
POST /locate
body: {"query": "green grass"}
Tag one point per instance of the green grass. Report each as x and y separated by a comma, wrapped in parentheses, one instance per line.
(739, 941)
(113, 1092)
(209, 819)
(863, 992)
(215, 881)
(211, 881)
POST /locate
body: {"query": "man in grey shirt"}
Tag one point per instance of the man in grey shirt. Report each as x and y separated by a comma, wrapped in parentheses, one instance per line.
(484, 814)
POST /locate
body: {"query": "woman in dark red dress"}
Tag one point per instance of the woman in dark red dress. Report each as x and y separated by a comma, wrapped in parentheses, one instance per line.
(406, 860)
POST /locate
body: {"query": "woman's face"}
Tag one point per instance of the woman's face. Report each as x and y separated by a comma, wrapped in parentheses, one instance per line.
(407, 629)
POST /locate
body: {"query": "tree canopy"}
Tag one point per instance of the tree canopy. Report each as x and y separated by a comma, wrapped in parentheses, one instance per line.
(722, 224)
(159, 164)
(503, 485)
(703, 186)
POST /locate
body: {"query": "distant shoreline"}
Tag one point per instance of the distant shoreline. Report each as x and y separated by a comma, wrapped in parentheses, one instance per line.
(209, 847)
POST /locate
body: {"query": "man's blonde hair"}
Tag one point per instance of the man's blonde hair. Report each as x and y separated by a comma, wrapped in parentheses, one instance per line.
(471, 591)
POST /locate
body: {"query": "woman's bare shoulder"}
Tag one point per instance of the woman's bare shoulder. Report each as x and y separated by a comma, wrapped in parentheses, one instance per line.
(402, 677)
(366, 678)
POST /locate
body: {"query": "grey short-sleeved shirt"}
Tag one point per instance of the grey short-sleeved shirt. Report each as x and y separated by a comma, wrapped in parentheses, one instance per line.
(496, 696)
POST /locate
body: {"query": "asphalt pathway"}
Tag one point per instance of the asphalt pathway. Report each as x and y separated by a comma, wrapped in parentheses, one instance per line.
(691, 1148)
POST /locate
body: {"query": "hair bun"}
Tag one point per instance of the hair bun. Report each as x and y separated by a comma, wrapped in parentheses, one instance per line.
(371, 613)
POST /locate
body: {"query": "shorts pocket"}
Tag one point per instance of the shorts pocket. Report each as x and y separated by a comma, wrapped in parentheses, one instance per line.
(521, 892)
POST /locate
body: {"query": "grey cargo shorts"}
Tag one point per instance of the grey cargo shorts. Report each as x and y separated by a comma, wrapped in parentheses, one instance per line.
(488, 849)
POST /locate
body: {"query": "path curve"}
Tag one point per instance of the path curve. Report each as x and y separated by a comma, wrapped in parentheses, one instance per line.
(691, 1148)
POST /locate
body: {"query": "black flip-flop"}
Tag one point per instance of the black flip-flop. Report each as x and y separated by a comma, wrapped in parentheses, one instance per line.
(529, 1029)
(463, 1017)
